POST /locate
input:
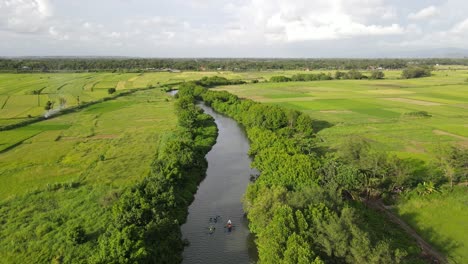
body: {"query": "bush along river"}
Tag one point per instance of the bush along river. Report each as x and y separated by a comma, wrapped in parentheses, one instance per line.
(218, 200)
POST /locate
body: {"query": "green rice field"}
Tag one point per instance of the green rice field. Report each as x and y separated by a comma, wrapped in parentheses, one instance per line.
(69, 170)
(380, 110)
(25, 95)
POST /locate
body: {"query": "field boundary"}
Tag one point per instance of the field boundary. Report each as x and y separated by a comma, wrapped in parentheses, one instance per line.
(428, 250)
(6, 101)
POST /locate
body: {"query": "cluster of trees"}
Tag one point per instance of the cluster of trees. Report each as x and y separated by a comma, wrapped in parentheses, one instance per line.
(297, 207)
(416, 72)
(339, 75)
(217, 81)
(136, 64)
(302, 78)
(146, 218)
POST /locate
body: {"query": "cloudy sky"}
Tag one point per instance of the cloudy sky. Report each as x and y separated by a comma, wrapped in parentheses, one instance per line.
(231, 28)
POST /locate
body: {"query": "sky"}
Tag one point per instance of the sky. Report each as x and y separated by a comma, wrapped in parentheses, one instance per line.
(231, 28)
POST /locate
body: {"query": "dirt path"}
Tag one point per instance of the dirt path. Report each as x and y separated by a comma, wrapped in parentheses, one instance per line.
(430, 253)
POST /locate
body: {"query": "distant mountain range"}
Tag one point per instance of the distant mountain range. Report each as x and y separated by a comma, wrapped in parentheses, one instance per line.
(433, 53)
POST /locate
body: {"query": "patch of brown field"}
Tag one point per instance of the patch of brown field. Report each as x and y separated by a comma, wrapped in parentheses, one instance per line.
(336, 111)
(255, 97)
(389, 91)
(392, 85)
(60, 138)
(445, 133)
(104, 136)
(412, 101)
(148, 120)
(415, 147)
(120, 85)
(464, 106)
(293, 99)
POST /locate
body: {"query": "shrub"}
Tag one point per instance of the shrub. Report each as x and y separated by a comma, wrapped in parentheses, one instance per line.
(416, 72)
(377, 75)
(280, 79)
(77, 235)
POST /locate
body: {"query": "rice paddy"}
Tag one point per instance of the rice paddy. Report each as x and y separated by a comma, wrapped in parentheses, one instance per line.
(69, 170)
(380, 110)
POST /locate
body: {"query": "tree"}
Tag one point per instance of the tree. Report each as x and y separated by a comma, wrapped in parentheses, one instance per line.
(48, 105)
(416, 72)
(111, 90)
(280, 79)
(77, 234)
(377, 75)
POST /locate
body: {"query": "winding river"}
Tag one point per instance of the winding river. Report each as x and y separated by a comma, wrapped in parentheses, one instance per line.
(220, 194)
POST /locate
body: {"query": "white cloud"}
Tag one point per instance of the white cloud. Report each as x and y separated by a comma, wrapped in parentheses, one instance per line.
(304, 20)
(461, 27)
(424, 13)
(24, 16)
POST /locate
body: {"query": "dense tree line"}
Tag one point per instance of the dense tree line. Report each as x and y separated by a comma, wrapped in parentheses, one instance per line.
(147, 217)
(339, 75)
(217, 81)
(141, 64)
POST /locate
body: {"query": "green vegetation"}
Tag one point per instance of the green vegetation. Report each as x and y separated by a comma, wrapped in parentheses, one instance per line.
(377, 75)
(83, 171)
(378, 110)
(394, 131)
(416, 72)
(168, 65)
(441, 218)
(110, 182)
(296, 207)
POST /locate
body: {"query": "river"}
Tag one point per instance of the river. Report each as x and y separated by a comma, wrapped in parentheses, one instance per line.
(220, 194)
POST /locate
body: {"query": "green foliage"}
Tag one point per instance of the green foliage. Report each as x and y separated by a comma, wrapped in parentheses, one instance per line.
(310, 77)
(77, 235)
(377, 75)
(48, 105)
(418, 114)
(416, 72)
(280, 79)
(352, 75)
(111, 90)
(440, 218)
(216, 81)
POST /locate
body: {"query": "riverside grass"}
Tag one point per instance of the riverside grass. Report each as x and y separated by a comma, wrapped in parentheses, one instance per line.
(71, 169)
(441, 219)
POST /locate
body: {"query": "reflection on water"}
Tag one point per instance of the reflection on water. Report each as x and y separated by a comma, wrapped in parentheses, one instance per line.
(220, 194)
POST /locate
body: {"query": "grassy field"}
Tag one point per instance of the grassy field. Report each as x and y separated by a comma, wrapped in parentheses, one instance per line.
(25, 95)
(69, 170)
(442, 219)
(380, 110)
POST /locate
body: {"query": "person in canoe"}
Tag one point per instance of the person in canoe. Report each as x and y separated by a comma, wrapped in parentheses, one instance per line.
(211, 229)
(229, 225)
